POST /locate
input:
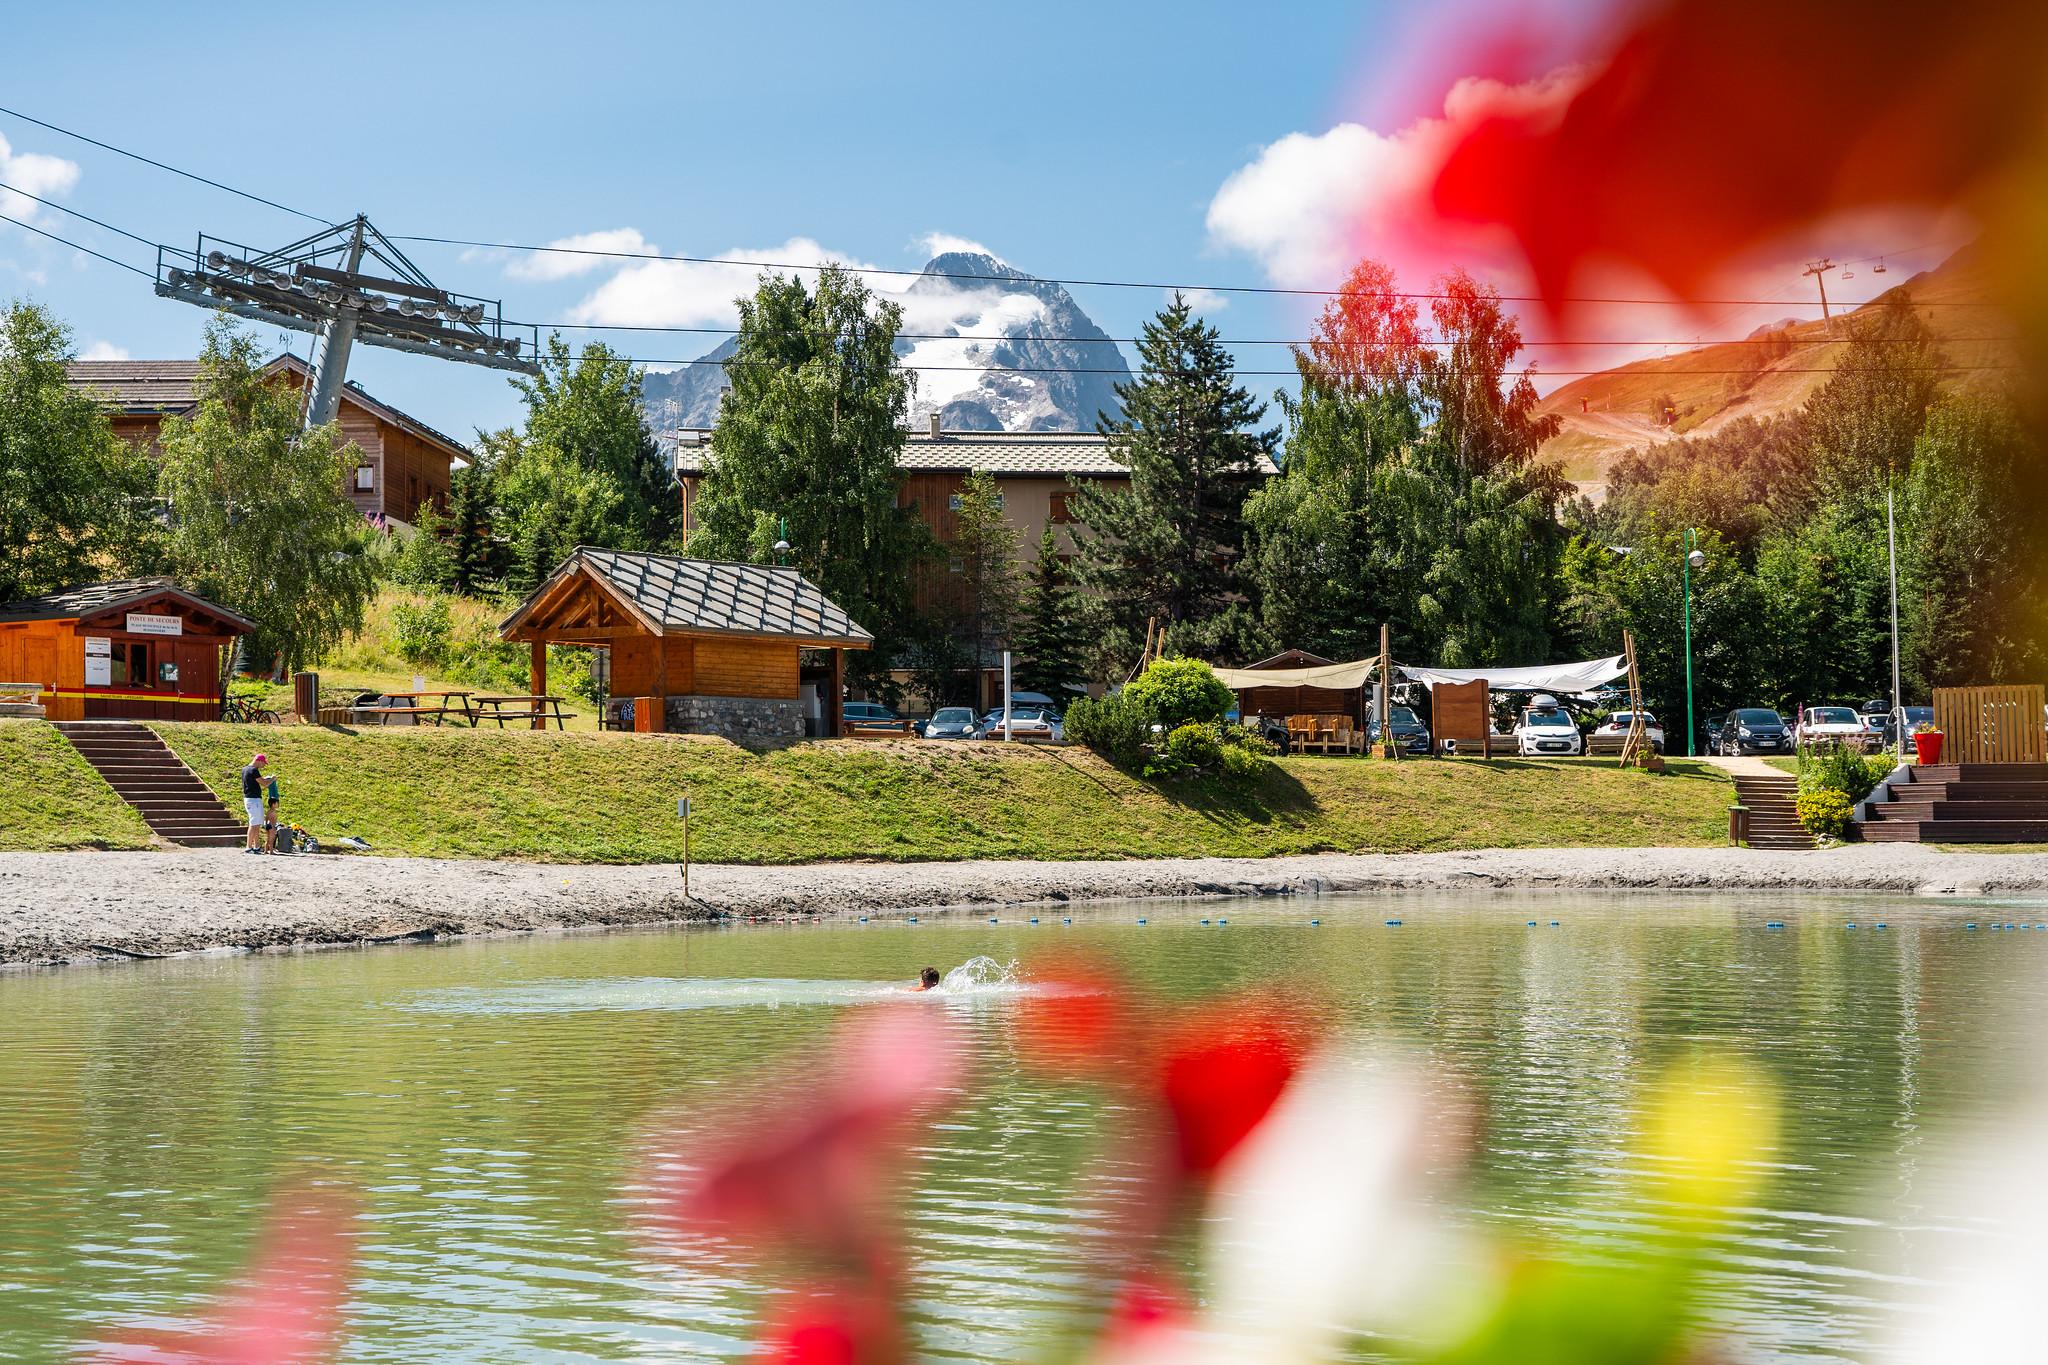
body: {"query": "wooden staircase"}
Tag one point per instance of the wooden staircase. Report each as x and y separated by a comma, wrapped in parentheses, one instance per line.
(169, 796)
(1773, 811)
(1964, 803)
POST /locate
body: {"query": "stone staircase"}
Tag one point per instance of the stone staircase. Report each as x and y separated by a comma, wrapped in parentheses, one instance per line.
(1963, 803)
(171, 799)
(1773, 810)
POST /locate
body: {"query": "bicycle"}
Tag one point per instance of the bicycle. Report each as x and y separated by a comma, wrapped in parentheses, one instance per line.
(240, 711)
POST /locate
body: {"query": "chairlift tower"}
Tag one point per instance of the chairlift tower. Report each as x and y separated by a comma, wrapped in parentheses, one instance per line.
(317, 284)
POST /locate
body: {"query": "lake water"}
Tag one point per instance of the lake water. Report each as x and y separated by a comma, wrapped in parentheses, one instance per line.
(484, 1098)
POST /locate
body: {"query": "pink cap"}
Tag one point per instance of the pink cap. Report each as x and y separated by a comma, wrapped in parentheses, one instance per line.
(262, 758)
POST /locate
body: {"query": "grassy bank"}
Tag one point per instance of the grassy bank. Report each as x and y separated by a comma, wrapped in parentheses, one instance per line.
(612, 798)
(50, 799)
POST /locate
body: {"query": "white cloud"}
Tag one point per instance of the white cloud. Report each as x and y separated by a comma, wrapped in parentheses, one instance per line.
(1203, 301)
(554, 265)
(103, 350)
(46, 176)
(1309, 205)
(939, 243)
(691, 294)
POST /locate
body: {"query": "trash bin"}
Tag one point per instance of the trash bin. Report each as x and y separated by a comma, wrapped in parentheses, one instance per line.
(306, 697)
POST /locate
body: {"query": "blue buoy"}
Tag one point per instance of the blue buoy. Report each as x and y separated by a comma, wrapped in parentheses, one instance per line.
(1034, 919)
(1774, 924)
(1313, 923)
(1066, 919)
(1205, 921)
(1391, 922)
(913, 919)
(863, 919)
(1969, 926)
(1532, 924)
(1223, 921)
(1553, 924)
(1880, 925)
(1141, 920)
(991, 919)
(1850, 925)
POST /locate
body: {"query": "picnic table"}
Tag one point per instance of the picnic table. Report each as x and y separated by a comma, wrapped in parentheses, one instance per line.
(406, 708)
(541, 709)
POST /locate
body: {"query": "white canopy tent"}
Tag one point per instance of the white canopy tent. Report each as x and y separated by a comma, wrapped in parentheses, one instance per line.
(1336, 677)
(1565, 678)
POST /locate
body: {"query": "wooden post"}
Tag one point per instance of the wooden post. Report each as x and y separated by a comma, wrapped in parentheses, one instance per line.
(1388, 749)
(537, 679)
(835, 706)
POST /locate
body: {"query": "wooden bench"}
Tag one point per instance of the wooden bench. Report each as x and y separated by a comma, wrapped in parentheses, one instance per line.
(877, 729)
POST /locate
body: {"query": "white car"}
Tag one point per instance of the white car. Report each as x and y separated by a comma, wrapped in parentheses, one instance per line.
(1026, 722)
(1548, 731)
(1833, 725)
(1614, 731)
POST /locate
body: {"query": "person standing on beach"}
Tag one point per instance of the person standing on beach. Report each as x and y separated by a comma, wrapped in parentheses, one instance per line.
(270, 815)
(252, 802)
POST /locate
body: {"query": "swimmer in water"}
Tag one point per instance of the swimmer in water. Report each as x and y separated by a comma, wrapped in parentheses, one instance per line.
(927, 980)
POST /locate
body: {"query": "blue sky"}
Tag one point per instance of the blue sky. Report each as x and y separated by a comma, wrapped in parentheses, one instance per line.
(1183, 142)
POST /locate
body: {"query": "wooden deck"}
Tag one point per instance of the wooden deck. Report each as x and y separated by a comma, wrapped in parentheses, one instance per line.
(1964, 803)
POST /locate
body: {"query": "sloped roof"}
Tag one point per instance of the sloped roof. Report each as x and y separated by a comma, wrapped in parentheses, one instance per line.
(94, 599)
(1042, 454)
(671, 595)
(171, 386)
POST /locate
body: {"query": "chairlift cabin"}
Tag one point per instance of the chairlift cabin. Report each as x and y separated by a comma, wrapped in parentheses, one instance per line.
(135, 649)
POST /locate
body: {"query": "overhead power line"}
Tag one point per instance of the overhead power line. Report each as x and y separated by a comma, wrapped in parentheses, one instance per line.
(30, 227)
(985, 277)
(160, 165)
(1511, 373)
(52, 204)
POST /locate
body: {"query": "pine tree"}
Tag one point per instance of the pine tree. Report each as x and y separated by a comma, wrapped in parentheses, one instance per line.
(986, 545)
(1168, 545)
(1046, 657)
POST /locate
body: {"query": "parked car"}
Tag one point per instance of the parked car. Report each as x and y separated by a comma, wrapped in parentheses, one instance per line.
(858, 711)
(1916, 716)
(1026, 722)
(1752, 730)
(950, 722)
(1612, 733)
(1409, 732)
(1548, 728)
(1834, 725)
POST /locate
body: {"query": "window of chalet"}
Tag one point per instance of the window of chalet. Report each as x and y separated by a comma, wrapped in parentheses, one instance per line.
(366, 478)
(1063, 507)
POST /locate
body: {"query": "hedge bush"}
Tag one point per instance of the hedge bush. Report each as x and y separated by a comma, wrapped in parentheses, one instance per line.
(1825, 811)
(1178, 691)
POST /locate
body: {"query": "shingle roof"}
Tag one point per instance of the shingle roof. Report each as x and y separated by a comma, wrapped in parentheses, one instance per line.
(91, 599)
(713, 597)
(169, 386)
(1046, 454)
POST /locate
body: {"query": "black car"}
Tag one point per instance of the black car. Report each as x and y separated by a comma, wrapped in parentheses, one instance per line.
(950, 722)
(1916, 716)
(1753, 730)
(1409, 733)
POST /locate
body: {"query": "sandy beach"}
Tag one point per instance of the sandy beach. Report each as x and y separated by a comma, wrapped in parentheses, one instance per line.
(83, 906)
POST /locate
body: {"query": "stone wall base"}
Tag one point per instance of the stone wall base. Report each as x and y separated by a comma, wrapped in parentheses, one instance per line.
(743, 720)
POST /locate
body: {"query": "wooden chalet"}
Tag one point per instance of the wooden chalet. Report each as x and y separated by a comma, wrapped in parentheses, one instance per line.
(696, 646)
(405, 463)
(138, 649)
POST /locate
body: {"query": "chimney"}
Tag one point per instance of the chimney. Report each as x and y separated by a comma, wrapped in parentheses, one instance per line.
(935, 424)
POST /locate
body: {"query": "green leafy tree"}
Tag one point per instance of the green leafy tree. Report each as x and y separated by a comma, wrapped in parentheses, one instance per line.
(551, 503)
(585, 409)
(808, 439)
(1048, 656)
(258, 518)
(422, 557)
(986, 545)
(73, 497)
(1169, 544)
(473, 514)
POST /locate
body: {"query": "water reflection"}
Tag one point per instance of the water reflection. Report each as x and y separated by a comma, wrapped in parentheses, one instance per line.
(485, 1098)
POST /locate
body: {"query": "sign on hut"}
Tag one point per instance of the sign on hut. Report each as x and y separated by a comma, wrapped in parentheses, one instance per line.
(696, 646)
(138, 649)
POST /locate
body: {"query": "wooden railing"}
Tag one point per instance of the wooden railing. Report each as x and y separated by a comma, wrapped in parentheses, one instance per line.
(1991, 724)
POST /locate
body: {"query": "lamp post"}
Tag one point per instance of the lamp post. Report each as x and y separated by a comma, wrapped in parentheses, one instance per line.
(1693, 560)
(782, 542)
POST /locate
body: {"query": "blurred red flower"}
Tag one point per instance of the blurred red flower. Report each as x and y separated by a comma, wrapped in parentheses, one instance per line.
(285, 1310)
(1226, 1075)
(848, 1327)
(1715, 125)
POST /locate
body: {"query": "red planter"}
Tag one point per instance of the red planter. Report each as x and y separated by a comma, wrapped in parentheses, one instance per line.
(1928, 746)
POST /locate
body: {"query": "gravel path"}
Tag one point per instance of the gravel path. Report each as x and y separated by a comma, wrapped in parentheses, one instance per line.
(57, 907)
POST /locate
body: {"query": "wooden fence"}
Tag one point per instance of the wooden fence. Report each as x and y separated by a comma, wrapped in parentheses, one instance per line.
(1991, 724)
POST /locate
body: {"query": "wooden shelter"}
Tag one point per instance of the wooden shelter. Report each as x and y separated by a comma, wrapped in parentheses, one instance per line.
(696, 646)
(1293, 698)
(137, 649)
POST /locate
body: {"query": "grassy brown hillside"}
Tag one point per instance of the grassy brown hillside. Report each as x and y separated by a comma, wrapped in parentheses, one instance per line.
(1608, 414)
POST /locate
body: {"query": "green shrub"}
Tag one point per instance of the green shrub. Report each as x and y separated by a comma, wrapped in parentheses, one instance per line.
(1242, 764)
(1825, 811)
(1195, 746)
(422, 631)
(1114, 726)
(1837, 769)
(1177, 691)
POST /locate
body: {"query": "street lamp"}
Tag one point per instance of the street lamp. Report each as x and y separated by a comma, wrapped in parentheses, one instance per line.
(1693, 560)
(782, 543)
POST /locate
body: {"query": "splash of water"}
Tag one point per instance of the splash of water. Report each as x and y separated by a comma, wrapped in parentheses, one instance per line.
(982, 976)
